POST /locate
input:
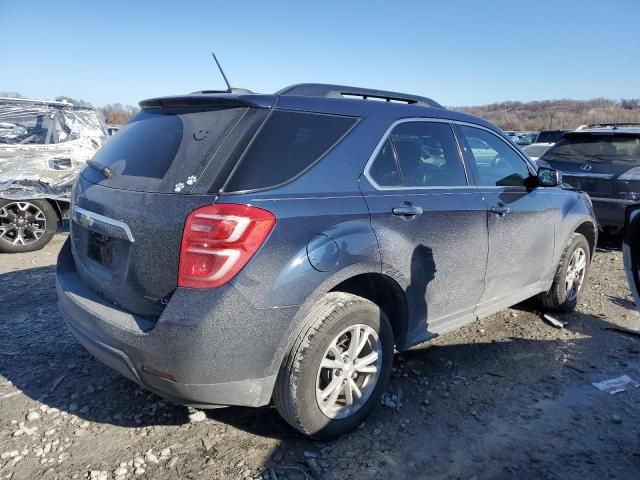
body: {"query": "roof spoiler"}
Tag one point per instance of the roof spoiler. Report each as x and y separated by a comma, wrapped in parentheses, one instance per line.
(208, 98)
(344, 91)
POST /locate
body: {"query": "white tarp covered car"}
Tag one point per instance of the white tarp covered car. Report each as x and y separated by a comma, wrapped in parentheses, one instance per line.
(43, 147)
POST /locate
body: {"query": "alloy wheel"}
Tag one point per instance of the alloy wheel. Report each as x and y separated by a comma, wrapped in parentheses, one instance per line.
(575, 273)
(21, 223)
(349, 371)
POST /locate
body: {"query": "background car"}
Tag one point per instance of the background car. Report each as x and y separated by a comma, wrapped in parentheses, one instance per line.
(43, 146)
(527, 138)
(604, 161)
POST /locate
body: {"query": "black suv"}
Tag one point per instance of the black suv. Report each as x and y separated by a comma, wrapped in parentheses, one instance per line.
(242, 249)
(604, 161)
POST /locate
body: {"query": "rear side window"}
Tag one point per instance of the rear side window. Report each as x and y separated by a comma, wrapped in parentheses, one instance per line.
(426, 154)
(384, 169)
(606, 148)
(287, 145)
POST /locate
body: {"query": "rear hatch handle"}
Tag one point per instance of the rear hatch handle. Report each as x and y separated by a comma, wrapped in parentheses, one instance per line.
(102, 224)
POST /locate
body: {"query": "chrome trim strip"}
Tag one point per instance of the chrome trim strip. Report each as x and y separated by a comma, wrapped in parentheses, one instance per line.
(107, 220)
(606, 176)
(619, 201)
(433, 120)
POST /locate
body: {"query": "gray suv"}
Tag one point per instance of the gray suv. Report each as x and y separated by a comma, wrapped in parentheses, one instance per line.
(230, 248)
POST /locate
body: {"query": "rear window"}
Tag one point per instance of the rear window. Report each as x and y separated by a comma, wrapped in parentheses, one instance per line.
(287, 145)
(164, 152)
(607, 148)
(549, 136)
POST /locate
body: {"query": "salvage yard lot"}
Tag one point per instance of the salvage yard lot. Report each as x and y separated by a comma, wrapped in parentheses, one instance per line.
(509, 396)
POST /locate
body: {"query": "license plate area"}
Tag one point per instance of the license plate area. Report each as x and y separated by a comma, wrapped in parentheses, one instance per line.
(100, 249)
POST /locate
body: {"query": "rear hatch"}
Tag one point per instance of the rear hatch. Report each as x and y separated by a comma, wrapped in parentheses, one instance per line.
(599, 163)
(129, 207)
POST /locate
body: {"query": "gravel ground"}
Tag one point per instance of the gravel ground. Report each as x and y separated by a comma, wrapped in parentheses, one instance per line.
(507, 397)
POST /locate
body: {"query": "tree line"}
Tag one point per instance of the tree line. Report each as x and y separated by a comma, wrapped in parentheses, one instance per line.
(523, 116)
(538, 115)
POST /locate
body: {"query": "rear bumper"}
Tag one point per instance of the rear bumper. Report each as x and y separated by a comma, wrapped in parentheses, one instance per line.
(611, 211)
(208, 349)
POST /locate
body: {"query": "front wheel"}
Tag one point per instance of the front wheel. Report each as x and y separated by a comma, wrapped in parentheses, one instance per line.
(338, 367)
(26, 225)
(570, 276)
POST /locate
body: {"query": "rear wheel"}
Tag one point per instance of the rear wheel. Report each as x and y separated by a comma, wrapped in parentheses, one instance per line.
(570, 276)
(338, 367)
(26, 225)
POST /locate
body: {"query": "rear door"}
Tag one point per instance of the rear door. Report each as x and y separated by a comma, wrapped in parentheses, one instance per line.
(430, 223)
(520, 221)
(631, 251)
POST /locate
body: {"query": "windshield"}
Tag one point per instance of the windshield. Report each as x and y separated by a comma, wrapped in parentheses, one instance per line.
(603, 147)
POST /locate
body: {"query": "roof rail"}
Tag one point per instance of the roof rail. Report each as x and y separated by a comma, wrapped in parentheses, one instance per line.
(612, 125)
(344, 91)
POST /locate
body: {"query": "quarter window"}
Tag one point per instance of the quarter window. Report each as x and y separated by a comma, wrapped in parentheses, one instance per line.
(497, 163)
(289, 143)
(384, 169)
(426, 154)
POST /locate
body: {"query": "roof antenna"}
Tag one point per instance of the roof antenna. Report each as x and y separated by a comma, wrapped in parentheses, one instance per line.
(222, 72)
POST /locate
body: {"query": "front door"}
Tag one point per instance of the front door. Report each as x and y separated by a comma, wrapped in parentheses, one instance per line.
(430, 223)
(521, 226)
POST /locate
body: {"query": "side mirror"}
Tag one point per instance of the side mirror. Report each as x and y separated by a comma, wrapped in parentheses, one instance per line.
(548, 177)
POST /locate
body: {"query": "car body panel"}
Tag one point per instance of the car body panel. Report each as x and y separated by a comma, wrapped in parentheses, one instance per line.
(631, 251)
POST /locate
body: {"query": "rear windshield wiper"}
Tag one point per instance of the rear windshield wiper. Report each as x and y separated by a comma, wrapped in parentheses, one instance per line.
(106, 171)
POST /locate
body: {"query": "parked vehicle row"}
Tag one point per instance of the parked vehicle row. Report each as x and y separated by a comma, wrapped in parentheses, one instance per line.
(242, 249)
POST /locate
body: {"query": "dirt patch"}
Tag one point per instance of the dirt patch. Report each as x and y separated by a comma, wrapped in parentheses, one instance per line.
(509, 396)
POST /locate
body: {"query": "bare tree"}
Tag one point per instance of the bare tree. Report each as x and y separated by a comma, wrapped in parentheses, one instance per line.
(117, 113)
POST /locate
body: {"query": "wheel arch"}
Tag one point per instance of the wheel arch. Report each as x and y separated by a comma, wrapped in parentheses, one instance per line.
(590, 232)
(384, 292)
(57, 207)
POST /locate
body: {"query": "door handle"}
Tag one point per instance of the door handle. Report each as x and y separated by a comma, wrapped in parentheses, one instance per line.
(500, 210)
(408, 211)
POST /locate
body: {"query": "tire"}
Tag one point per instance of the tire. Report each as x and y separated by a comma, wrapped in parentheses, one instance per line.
(334, 318)
(39, 227)
(557, 298)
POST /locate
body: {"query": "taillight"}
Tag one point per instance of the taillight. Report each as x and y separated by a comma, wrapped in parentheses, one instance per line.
(219, 240)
